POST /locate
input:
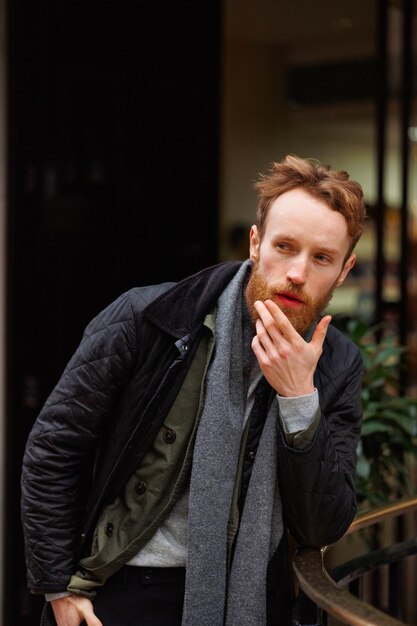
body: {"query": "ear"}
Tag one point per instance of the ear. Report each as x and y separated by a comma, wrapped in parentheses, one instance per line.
(346, 269)
(254, 243)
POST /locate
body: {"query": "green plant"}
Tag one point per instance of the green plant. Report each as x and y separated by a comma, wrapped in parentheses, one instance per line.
(389, 429)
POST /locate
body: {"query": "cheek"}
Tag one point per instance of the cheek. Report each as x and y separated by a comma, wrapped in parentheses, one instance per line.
(269, 261)
(323, 284)
(270, 271)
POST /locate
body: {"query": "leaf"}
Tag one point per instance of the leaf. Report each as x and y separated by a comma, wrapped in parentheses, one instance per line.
(373, 426)
(402, 421)
(389, 429)
(357, 330)
(377, 382)
(363, 467)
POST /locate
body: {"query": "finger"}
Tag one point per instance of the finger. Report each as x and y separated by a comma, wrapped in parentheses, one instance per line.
(268, 323)
(264, 336)
(257, 348)
(260, 353)
(320, 332)
(282, 322)
(261, 309)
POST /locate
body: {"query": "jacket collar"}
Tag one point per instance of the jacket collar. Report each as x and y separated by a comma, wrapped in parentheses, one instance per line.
(182, 309)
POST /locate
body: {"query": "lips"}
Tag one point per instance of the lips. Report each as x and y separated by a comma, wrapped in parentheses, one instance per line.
(288, 299)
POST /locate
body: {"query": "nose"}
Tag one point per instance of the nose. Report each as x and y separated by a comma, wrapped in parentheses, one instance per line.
(297, 271)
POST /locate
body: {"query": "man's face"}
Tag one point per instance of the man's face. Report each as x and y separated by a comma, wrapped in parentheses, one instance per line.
(301, 258)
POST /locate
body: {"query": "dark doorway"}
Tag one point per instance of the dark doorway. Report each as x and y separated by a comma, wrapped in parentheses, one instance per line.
(113, 164)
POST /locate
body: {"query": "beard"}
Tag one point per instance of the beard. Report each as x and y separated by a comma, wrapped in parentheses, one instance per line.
(302, 317)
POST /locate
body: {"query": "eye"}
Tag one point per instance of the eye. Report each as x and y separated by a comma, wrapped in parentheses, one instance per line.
(322, 258)
(282, 246)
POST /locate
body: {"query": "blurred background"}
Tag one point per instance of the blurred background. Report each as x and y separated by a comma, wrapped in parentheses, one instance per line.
(131, 133)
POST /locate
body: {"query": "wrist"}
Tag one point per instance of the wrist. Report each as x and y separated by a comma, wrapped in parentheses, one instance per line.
(298, 393)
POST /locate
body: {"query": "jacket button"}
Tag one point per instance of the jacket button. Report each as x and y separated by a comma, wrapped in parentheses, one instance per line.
(251, 456)
(141, 487)
(170, 436)
(108, 529)
(148, 574)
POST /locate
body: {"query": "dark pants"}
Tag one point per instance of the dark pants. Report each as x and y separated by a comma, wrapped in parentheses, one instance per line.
(139, 596)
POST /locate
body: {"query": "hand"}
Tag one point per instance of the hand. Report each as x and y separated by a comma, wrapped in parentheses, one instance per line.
(286, 360)
(72, 610)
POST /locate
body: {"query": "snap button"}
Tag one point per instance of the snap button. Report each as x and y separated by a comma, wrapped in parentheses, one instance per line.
(148, 574)
(108, 529)
(251, 456)
(170, 436)
(141, 487)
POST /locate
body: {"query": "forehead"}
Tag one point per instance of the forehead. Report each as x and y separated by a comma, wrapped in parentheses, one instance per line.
(299, 215)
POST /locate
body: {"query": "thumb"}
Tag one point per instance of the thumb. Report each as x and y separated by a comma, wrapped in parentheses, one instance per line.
(320, 332)
(91, 619)
(86, 611)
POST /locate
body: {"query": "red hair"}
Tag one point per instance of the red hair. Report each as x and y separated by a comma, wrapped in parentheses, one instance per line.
(330, 186)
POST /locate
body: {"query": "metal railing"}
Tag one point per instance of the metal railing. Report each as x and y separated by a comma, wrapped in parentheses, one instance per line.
(321, 588)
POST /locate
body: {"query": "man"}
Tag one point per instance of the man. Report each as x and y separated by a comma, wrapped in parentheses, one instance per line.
(198, 422)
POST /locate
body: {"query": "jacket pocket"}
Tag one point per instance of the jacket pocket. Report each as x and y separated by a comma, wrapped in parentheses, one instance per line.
(47, 615)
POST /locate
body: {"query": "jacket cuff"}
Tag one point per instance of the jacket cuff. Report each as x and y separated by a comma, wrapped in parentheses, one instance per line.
(49, 597)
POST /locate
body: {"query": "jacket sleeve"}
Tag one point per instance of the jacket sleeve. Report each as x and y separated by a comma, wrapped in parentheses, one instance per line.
(61, 447)
(317, 483)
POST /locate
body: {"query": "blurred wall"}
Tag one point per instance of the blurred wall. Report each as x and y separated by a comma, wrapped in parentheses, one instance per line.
(112, 184)
(261, 122)
(2, 278)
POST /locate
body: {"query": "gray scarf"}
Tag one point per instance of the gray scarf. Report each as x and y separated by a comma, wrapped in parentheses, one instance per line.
(212, 598)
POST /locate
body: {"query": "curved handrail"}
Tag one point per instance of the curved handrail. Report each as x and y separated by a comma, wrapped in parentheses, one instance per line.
(382, 513)
(319, 587)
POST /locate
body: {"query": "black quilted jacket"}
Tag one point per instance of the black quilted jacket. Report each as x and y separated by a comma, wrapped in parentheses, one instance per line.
(112, 399)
